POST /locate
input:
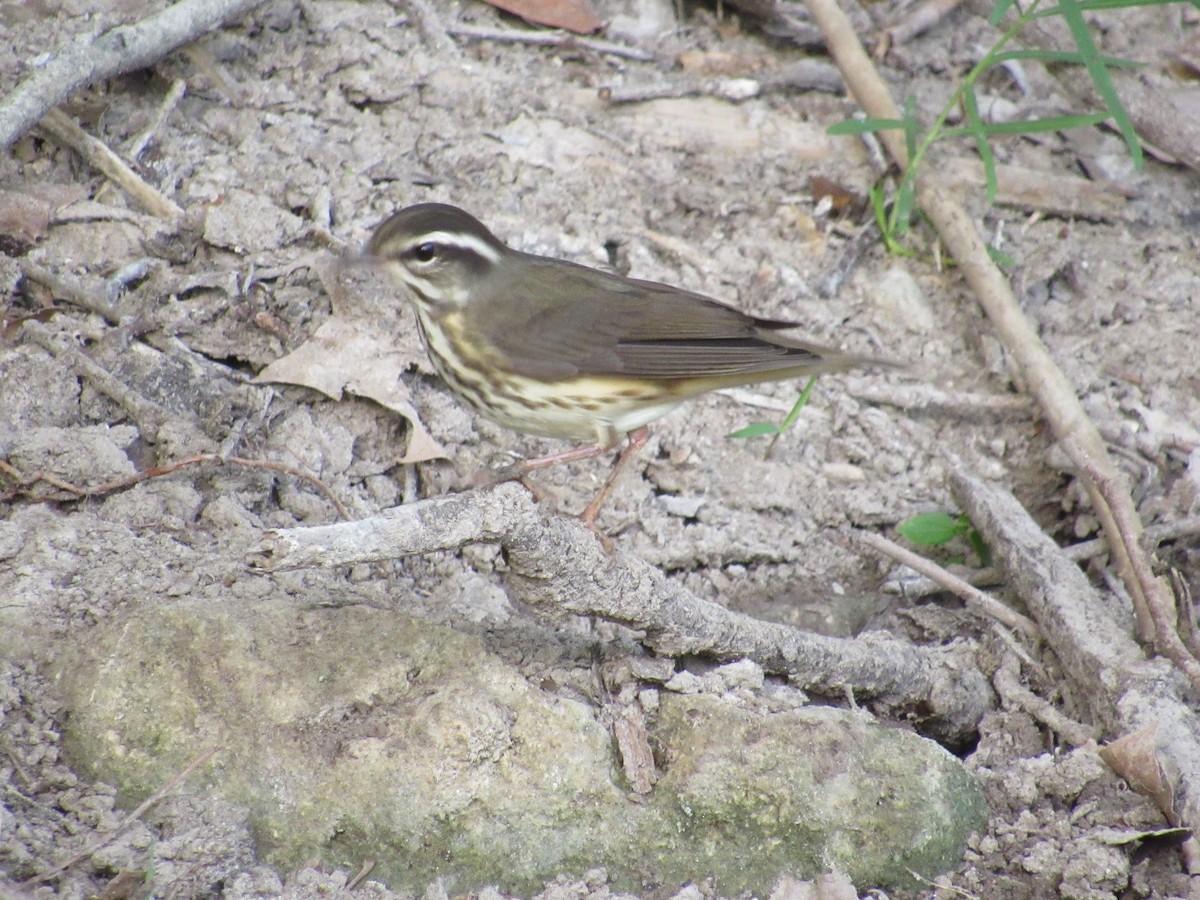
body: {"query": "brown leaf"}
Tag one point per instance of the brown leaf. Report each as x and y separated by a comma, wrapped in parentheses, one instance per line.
(1134, 757)
(573, 15)
(24, 220)
(844, 201)
(344, 357)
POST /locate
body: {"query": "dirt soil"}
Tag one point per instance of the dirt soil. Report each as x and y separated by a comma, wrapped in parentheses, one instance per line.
(304, 125)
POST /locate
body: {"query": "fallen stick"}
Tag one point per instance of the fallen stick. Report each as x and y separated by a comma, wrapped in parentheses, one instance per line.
(556, 563)
(123, 49)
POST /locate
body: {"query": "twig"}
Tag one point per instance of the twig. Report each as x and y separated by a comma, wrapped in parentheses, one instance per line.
(1187, 613)
(806, 75)
(118, 484)
(988, 577)
(150, 417)
(71, 291)
(934, 400)
(123, 49)
(1054, 193)
(170, 100)
(1122, 689)
(1156, 534)
(550, 39)
(98, 154)
(1007, 681)
(920, 586)
(104, 840)
(1155, 594)
(200, 57)
(363, 871)
(556, 562)
(975, 599)
(23, 480)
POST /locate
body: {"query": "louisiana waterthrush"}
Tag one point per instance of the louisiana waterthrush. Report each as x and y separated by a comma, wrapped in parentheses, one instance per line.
(552, 348)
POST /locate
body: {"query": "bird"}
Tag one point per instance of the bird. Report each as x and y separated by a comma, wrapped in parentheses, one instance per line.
(549, 347)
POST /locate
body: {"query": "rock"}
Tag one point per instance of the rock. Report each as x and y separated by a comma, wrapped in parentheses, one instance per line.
(358, 733)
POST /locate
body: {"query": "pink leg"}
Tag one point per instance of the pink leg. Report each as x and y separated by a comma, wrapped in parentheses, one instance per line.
(573, 455)
(637, 440)
(518, 470)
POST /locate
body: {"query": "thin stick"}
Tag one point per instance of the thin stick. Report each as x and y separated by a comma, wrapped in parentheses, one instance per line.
(126, 48)
(118, 484)
(807, 75)
(71, 291)
(1156, 596)
(99, 844)
(1007, 681)
(169, 102)
(99, 156)
(1157, 534)
(975, 599)
(150, 417)
(550, 39)
(363, 871)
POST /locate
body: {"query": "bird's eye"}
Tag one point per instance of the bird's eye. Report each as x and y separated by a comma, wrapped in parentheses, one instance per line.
(425, 252)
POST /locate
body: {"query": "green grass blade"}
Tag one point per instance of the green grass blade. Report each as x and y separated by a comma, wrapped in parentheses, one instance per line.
(801, 402)
(1095, 5)
(1000, 258)
(864, 126)
(974, 127)
(902, 209)
(998, 11)
(758, 429)
(1100, 78)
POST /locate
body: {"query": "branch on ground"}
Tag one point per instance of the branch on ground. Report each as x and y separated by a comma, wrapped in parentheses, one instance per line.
(116, 52)
(557, 563)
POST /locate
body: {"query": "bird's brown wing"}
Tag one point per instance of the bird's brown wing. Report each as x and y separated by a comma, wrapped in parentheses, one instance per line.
(556, 320)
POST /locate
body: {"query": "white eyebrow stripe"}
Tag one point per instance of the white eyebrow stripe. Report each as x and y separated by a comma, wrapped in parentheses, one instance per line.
(463, 241)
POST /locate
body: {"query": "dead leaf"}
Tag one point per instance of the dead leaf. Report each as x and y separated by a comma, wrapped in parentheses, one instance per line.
(1134, 757)
(843, 201)
(24, 220)
(573, 15)
(345, 357)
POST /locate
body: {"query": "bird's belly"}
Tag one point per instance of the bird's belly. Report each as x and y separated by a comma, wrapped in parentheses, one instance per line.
(598, 409)
(601, 410)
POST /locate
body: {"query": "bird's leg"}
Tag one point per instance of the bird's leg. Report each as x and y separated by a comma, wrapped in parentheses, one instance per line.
(518, 470)
(637, 440)
(525, 466)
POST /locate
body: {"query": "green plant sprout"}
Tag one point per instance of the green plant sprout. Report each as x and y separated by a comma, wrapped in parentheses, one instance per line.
(895, 220)
(936, 528)
(758, 429)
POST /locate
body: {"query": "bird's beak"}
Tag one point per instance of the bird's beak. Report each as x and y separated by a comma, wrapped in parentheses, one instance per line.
(353, 259)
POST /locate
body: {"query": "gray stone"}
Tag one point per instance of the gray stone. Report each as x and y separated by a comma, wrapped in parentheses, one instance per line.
(353, 733)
